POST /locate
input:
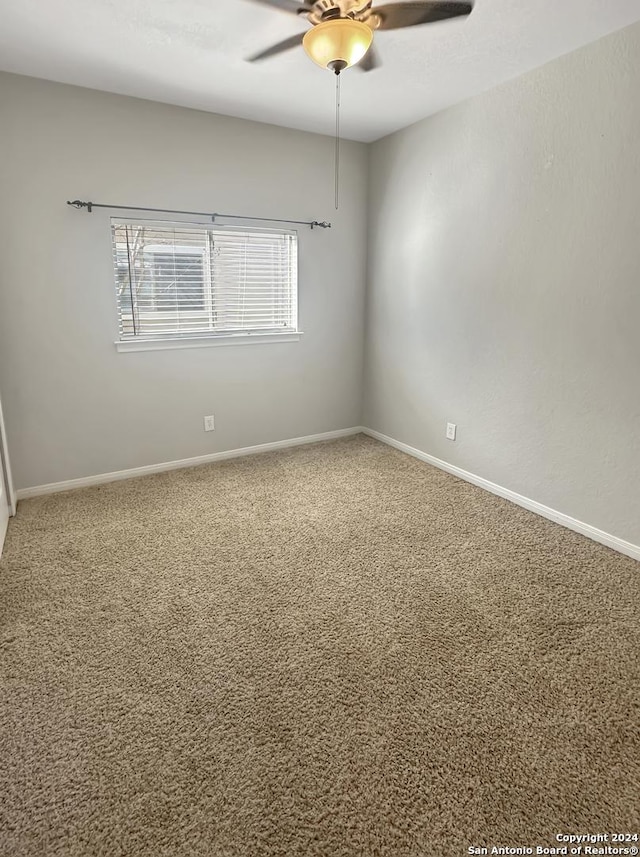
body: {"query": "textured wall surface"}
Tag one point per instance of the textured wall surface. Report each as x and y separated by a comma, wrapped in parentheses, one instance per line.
(74, 406)
(504, 265)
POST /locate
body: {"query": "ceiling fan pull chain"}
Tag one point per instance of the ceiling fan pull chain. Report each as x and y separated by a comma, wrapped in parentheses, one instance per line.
(337, 139)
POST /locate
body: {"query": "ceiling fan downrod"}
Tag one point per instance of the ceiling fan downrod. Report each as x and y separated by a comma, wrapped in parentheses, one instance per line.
(337, 160)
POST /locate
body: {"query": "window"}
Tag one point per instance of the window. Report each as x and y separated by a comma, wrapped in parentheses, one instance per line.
(183, 280)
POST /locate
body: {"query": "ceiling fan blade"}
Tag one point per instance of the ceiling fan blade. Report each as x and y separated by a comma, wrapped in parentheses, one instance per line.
(369, 61)
(287, 44)
(396, 15)
(285, 5)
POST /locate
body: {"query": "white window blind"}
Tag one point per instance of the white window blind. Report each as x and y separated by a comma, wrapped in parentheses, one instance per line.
(183, 280)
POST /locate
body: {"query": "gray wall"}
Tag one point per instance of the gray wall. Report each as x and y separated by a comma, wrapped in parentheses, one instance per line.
(503, 266)
(74, 406)
(504, 285)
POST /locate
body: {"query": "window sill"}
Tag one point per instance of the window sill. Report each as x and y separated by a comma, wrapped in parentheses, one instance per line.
(207, 341)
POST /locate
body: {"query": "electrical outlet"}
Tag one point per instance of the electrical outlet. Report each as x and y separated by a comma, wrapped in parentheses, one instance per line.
(451, 431)
(209, 424)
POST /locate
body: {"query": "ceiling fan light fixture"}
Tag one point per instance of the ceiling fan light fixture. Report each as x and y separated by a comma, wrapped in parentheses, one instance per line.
(338, 43)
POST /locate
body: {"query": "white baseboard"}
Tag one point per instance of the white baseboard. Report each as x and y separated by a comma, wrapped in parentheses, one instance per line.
(600, 536)
(597, 535)
(3, 532)
(135, 472)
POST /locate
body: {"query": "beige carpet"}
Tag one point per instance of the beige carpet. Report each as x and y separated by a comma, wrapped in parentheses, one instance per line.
(330, 651)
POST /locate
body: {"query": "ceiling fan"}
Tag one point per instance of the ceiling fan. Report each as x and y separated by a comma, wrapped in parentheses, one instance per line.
(342, 31)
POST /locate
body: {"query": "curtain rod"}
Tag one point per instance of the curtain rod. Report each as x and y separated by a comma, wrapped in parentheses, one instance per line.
(77, 203)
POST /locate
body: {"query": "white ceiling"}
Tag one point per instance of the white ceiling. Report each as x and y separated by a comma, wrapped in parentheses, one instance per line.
(191, 52)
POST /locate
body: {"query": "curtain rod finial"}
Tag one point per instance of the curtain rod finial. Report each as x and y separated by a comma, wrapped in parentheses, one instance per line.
(78, 203)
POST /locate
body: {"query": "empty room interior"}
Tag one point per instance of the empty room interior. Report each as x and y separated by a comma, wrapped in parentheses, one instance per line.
(319, 428)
